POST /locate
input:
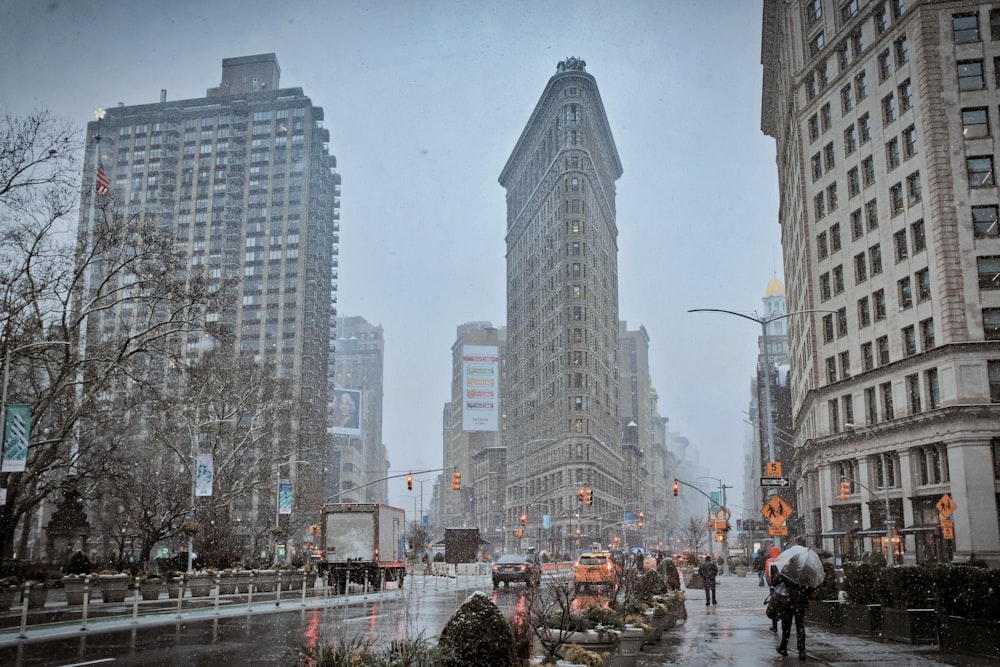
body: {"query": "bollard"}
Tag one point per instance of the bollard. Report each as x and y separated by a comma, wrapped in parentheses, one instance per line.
(218, 591)
(381, 582)
(365, 589)
(24, 611)
(180, 595)
(86, 601)
(277, 597)
(305, 580)
(135, 602)
(250, 593)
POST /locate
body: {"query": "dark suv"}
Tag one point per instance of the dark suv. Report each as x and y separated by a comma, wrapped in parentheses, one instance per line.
(515, 567)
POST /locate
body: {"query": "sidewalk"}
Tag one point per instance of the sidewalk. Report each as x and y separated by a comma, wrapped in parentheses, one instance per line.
(826, 645)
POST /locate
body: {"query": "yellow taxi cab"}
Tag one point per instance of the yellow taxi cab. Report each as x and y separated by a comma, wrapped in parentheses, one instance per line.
(595, 580)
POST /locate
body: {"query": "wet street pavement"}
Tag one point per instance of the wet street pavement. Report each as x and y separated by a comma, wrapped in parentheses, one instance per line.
(734, 632)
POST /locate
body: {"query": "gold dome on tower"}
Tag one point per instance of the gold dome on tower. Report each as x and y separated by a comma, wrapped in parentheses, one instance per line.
(774, 288)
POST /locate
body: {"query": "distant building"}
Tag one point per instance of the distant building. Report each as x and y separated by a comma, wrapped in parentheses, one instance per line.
(562, 384)
(358, 457)
(881, 115)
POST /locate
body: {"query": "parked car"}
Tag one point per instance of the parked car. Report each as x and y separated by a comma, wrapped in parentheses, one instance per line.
(515, 567)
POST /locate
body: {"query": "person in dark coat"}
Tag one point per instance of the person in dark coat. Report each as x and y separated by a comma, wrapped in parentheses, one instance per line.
(708, 571)
(792, 607)
(757, 565)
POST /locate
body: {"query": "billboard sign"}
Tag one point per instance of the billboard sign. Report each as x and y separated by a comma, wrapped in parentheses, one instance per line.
(480, 387)
(343, 412)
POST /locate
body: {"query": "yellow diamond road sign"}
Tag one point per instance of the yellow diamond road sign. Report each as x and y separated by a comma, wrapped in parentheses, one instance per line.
(777, 510)
(946, 506)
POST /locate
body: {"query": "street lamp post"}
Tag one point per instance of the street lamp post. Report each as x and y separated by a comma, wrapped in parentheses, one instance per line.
(889, 551)
(194, 480)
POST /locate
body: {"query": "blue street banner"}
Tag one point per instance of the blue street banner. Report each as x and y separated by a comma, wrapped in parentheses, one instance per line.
(716, 497)
(628, 517)
(546, 521)
(17, 431)
(285, 498)
(204, 475)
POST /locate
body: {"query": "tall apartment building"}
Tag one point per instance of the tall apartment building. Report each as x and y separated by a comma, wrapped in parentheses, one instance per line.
(884, 117)
(357, 455)
(245, 182)
(562, 394)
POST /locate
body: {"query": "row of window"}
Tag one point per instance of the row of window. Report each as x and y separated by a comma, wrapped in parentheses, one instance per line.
(923, 392)
(930, 466)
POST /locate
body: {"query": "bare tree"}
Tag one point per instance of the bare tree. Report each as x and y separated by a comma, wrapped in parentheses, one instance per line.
(87, 317)
(694, 533)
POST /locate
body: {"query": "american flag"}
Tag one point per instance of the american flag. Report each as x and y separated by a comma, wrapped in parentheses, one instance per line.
(103, 186)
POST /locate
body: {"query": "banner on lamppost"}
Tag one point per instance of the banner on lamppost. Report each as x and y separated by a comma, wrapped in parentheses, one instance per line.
(285, 498)
(17, 430)
(204, 475)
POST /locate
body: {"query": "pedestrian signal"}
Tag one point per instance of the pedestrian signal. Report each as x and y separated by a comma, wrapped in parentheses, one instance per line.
(456, 481)
(845, 490)
(314, 530)
(583, 495)
(720, 536)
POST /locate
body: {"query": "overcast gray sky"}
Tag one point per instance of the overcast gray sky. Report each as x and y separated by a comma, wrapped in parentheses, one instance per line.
(424, 101)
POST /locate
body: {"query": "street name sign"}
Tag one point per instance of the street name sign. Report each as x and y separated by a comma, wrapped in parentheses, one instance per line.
(774, 481)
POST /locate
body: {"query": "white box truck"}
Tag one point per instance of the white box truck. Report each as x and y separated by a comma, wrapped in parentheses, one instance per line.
(362, 543)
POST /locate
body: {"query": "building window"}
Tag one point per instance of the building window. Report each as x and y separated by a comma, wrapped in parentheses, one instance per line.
(995, 24)
(838, 279)
(965, 28)
(843, 57)
(850, 140)
(882, 344)
(991, 323)
(878, 304)
(857, 224)
(917, 234)
(848, 10)
(853, 182)
(933, 388)
(860, 268)
(832, 200)
(923, 277)
(910, 142)
(892, 158)
(993, 371)
(927, 333)
(905, 91)
(846, 99)
(865, 128)
(975, 123)
(817, 166)
(896, 198)
(826, 116)
(888, 109)
(834, 407)
(970, 75)
(899, 242)
(841, 323)
(844, 359)
(913, 190)
(824, 287)
(905, 293)
(867, 357)
(847, 403)
(814, 10)
(861, 85)
(831, 370)
(864, 312)
(868, 172)
(980, 170)
(913, 393)
(887, 410)
(819, 203)
(875, 259)
(884, 65)
(829, 160)
(816, 44)
(827, 328)
(871, 405)
(984, 221)
(989, 272)
(902, 48)
(909, 341)
(813, 127)
(821, 246)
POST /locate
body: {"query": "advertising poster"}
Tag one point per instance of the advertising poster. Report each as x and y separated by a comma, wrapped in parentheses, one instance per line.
(343, 412)
(480, 387)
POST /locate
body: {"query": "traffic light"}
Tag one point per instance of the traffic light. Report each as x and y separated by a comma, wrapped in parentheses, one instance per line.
(524, 519)
(314, 530)
(409, 482)
(582, 494)
(589, 497)
(720, 536)
(845, 490)
(456, 481)
(677, 488)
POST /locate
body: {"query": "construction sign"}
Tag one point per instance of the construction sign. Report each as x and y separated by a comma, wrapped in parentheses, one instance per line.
(777, 510)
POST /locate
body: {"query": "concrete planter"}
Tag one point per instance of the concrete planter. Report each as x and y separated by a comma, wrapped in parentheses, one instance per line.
(630, 642)
(266, 581)
(602, 643)
(826, 613)
(173, 585)
(243, 579)
(200, 585)
(37, 595)
(74, 588)
(151, 588)
(8, 596)
(114, 587)
(862, 619)
(227, 583)
(913, 626)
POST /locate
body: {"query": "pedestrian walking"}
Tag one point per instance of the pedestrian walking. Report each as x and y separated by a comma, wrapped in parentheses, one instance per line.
(790, 601)
(773, 553)
(757, 565)
(709, 571)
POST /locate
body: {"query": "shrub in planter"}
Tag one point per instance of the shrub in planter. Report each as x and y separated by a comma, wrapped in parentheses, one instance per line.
(866, 583)
(911, 587)
(78, 564)
(477, 634)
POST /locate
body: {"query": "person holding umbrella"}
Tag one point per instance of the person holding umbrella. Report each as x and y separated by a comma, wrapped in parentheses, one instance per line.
(796, 574)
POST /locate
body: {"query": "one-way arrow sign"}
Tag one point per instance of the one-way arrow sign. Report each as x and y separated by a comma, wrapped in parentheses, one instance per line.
(774, 481)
